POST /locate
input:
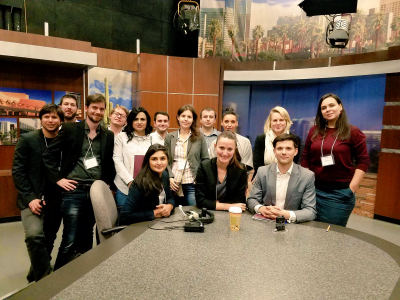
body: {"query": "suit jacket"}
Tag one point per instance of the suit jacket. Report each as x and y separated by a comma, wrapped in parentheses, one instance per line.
(138, 208)
(69, 142)
(198, 152)
(259, 149)
(28, 170)
(206, 183)
(300, 195)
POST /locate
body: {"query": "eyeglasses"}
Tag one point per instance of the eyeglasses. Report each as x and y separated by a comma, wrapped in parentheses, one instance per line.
(118, 115)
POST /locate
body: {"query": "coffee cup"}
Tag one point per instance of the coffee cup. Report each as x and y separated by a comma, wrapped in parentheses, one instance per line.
(235, 215)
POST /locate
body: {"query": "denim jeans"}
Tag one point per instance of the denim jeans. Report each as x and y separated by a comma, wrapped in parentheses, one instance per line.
(78, 219)
(40, 233)
(120, 198)
(189, 195)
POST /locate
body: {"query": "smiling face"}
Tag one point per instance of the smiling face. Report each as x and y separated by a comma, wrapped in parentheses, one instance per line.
(331, 110)
(225, 149)
(139, 124)
(207, 119)
(158, 162)
(185, 119)
(285, 152)
(118, 117)
(230, 123)
(278, 123)
(95, 111)
(50, 122)
(161, 123)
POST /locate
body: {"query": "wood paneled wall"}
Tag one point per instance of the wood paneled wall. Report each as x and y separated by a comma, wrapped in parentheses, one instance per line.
(166, 83)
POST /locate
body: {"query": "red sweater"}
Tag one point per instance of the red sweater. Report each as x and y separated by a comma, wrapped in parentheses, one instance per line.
(344, 152)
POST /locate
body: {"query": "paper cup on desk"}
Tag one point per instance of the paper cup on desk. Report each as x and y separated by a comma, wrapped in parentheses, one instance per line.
(235, 215)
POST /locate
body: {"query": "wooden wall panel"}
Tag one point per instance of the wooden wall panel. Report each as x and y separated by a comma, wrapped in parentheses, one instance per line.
(153, 73)
(6, 157)
(8, 198)
(175, 101)
(359, 58)
(302, 63)
(248, 65)
(391, 115)
(180, 75)
(387, 195)
(46, 41)
(113, 59)
(153, 102)
(392, 87)
(390, 139)
(206, 76)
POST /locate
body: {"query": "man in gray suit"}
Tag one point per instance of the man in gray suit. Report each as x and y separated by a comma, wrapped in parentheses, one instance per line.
(284, 188)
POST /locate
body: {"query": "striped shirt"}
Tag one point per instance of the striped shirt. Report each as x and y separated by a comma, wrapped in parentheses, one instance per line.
(182, 172)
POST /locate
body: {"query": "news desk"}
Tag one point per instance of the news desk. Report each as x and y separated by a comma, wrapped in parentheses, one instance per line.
(306, 262)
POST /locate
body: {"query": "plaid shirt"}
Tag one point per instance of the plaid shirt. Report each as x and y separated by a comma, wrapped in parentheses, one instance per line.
(183, 176)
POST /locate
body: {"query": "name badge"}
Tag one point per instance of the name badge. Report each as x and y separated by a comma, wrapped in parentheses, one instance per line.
(181, 164)
(90, 163)
(327, 160)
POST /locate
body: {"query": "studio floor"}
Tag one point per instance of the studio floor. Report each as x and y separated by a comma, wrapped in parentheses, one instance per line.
(14, 259)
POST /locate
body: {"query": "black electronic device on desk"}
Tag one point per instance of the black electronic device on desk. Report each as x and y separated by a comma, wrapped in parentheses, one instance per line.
(280, 223)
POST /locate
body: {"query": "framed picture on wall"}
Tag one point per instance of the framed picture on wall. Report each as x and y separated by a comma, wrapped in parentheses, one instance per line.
(8, 131)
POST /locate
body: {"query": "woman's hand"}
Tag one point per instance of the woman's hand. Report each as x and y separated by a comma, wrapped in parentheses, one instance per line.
(165, 209)
(157, 212)
(241, 205)
(173, 184)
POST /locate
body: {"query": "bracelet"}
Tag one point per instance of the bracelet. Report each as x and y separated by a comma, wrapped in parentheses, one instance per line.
(223, 206)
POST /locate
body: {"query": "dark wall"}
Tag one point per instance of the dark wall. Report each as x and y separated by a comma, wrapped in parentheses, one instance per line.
(113, 24)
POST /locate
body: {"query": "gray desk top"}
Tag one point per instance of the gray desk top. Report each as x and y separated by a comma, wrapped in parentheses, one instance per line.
(254, 263)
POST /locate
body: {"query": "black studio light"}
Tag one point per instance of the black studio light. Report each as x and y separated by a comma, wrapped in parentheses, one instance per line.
(328, 7)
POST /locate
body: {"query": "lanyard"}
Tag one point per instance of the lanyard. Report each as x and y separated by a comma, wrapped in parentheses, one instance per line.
(322, 145)
(90, 148)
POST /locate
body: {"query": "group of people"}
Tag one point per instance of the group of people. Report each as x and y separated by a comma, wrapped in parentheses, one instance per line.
(152, 172)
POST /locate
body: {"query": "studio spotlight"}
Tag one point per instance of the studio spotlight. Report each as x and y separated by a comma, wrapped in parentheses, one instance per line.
(337, 33)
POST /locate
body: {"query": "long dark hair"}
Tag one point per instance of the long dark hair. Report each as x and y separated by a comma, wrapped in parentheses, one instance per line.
(235, 160)
(131, 117)
(342, 124)
(147, 180)
(195, 132)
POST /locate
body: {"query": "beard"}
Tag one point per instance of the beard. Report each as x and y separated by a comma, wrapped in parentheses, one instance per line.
(70, 118)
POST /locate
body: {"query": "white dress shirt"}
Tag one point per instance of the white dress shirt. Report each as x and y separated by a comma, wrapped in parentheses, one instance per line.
(157, 138)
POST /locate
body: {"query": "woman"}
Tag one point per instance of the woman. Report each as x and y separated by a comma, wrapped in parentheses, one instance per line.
(230, 123)
(278, 122)
(331, 147)
(222, 181)
(129, 149)
(149, 196)
(186, 149)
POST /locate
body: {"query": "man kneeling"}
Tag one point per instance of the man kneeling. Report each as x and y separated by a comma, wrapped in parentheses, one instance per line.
(284, 188)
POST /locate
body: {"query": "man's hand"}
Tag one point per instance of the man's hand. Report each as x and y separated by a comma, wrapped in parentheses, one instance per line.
(36, 207)
(165, 209)
(67, 184)
(270, 212)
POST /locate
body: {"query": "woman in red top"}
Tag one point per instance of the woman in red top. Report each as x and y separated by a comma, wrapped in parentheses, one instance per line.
(330, 149)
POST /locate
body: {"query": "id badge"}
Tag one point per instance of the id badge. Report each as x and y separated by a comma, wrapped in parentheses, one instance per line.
(90, 163)
(327, 160)
(181, 165)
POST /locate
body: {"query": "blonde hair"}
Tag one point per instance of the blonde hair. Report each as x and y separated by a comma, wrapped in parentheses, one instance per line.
(283, 112)
(120, 107)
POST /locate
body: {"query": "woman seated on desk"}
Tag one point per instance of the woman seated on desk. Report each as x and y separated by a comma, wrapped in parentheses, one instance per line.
(222, 181)
(149, 195)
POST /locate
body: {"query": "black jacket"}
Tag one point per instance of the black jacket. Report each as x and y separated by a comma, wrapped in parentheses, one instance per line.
(69, 142)
(206, 183)
(28, 171)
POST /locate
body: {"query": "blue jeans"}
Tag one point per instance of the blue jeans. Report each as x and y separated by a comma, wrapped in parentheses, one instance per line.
(334, 206)
(78, 219)
(120, 198)
(189, 196)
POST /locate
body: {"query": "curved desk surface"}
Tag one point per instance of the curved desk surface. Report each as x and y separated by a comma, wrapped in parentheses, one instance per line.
(306, 262)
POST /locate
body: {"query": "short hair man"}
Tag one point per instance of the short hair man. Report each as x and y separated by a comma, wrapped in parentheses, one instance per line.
(208, 117)
(118, 117)
(284, 188)
(69, 105)
(87, 150)
(38, 199)
(161, 124)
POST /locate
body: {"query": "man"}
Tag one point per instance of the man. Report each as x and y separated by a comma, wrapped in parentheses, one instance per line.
(284, 188)
(118, 119)
(87, 150)
(208, 117)
(69, 105)
(161, 124)
(38, 199)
